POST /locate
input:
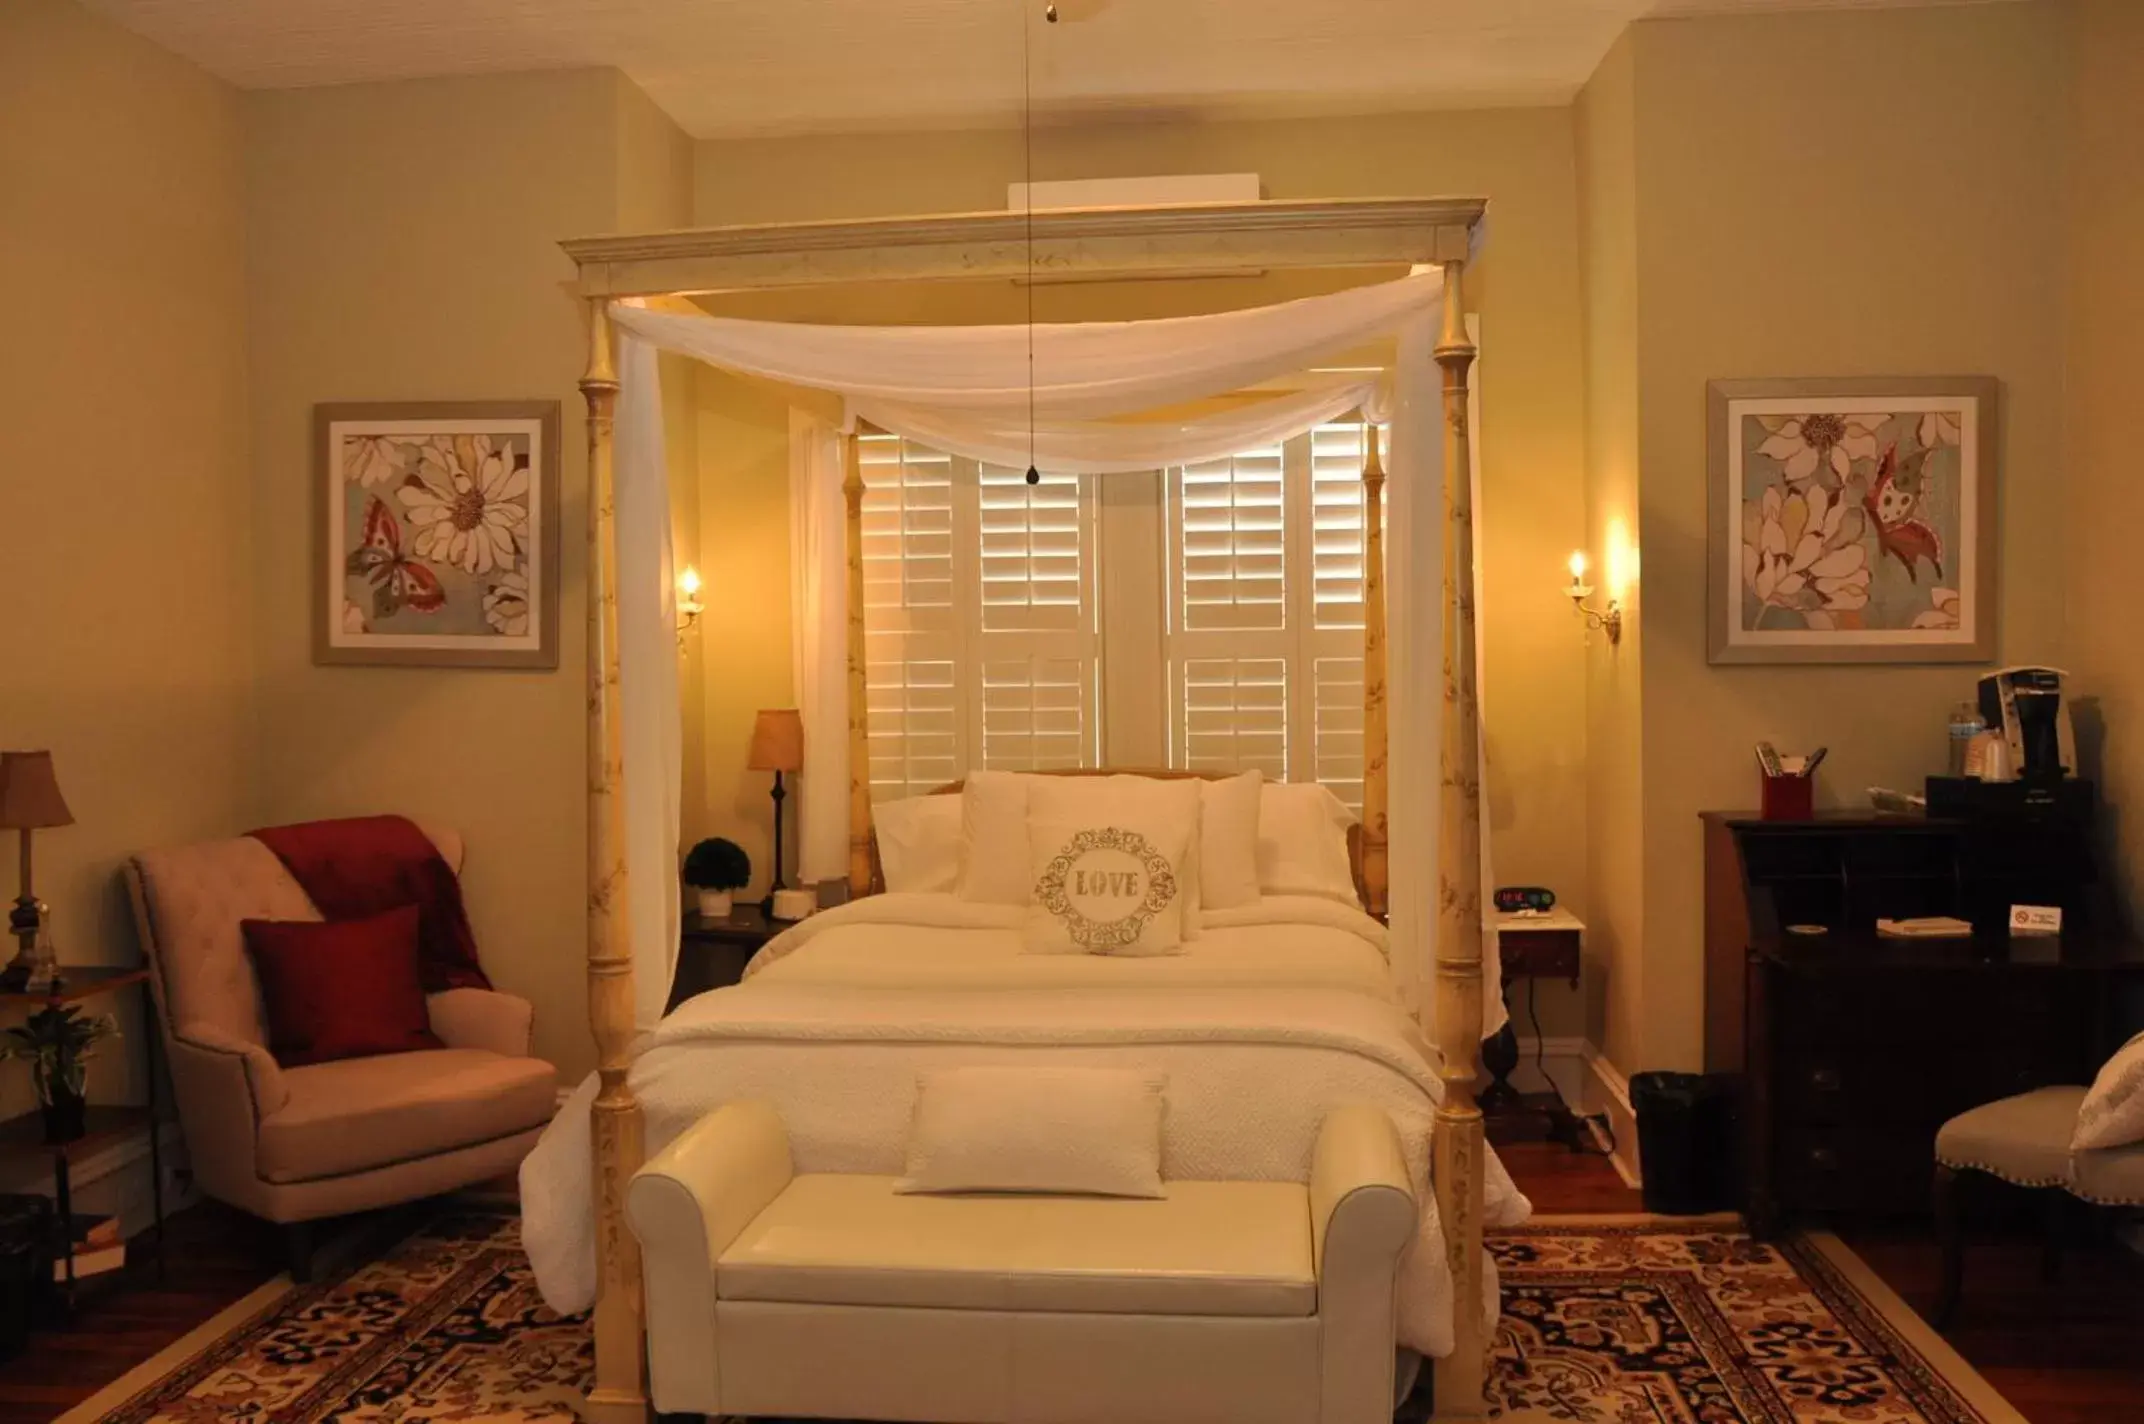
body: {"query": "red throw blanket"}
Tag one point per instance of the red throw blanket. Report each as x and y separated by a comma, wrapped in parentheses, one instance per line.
(366, 865)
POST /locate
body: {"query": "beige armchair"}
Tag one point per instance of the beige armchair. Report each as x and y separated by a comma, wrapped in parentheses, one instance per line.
(294, 1145)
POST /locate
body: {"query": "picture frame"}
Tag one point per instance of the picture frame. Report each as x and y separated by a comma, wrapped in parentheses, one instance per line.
(436, 534)
(1853, 520)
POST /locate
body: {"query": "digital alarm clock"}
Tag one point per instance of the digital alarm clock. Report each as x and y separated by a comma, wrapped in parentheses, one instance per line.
(1511, 899)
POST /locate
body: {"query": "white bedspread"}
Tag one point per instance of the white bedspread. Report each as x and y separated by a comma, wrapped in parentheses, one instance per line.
(1271, 1016)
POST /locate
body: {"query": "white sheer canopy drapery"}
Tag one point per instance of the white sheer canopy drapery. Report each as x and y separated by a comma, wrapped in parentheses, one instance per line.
(966, 390)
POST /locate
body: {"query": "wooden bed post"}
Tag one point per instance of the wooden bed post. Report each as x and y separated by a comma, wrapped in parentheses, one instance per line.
(852, 494)
(619, 1394)
(1460, 1150)
(1376, 823)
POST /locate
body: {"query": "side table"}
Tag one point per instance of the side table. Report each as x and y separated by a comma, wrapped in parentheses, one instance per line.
(22, 1138)
(1531, 947)
(712, 954)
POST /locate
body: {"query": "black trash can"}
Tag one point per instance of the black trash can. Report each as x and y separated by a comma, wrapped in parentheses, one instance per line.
(1687, 1147)
(25, 1267)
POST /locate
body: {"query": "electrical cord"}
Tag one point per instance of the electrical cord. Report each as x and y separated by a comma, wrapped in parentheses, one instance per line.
(1606, 1125)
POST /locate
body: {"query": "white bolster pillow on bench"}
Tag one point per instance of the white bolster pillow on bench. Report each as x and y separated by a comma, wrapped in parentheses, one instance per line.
(1065, 1131)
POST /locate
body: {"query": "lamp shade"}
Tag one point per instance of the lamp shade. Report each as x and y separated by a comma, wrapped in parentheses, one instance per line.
(29, 793)
(777, 741)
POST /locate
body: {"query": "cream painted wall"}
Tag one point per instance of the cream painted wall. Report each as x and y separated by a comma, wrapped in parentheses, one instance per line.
(743, 641)
(124, 595)
(403, 246)
(1606, 115)
(2103, 307)
(1828, 193)
(1526, 288)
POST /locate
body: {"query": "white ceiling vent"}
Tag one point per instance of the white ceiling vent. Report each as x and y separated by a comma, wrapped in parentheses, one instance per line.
(1136, 192)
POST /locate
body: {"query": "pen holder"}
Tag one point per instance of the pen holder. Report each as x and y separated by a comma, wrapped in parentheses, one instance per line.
(1789, 798)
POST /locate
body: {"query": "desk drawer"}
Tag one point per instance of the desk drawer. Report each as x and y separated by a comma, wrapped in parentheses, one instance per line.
(1858, 1166)
(1899, 1017)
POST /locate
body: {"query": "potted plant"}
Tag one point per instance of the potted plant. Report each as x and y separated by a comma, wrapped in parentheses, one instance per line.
(714, 868)
(58, 1042)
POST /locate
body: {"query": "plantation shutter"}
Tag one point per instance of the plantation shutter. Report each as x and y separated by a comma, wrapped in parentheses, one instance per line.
(913, 631)
(979, 627)
(1037, 645)
(1264, 638)
(1335, 621)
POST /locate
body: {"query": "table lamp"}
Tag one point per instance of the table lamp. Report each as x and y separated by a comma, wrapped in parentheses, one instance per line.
(777, 746)
(30, 800)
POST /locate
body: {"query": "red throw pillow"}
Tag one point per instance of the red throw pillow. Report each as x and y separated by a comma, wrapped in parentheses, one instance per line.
(340, 988)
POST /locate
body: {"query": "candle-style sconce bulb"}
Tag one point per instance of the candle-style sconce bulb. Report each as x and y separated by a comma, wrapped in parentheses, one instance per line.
(1609, 619)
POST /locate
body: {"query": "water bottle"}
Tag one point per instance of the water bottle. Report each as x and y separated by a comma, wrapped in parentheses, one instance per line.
(1965, 724)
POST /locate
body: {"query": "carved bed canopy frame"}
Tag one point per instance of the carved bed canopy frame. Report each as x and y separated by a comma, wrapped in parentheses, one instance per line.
(1096, 244)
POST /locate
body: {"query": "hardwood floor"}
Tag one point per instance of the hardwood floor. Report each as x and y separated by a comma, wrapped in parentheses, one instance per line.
(215, 1256)
(2071, 1353)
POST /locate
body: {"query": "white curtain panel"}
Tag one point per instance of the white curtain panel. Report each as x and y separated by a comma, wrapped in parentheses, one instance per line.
(1414, 640)
(965, 390)
(819, 612)
(649, 717)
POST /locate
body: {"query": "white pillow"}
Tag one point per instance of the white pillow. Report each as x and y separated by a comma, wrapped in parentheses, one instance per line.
(1114, 885)
(993, 838)
(2113, 1112)
(1228, 842)
(919, 843)
(1096, 799)
(1302, 842)
(1084, 1131)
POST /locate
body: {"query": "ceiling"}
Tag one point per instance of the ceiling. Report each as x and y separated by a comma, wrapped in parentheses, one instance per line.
(725, 68)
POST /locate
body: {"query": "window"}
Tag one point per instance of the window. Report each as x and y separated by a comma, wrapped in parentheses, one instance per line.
(980, 642)
(984, 615)
(1264, 643)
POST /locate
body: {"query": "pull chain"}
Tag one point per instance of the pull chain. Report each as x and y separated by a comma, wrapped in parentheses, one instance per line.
(1027, 138)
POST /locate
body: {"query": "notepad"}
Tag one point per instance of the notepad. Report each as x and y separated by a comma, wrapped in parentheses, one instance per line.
(1927, 927)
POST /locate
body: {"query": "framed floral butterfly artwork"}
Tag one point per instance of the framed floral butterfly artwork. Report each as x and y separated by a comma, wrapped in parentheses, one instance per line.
(1853, 520)
(438, 534)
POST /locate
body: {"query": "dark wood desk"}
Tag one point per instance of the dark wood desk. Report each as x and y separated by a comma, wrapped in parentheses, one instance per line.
(1854, 1047)
(1861, 1046)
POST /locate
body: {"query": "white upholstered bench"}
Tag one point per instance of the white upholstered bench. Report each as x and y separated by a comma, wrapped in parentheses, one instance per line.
(771, 1293)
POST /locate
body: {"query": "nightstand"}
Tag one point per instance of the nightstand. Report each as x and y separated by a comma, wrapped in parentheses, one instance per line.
(22, 1139)
(712, 954)
(1531, 947)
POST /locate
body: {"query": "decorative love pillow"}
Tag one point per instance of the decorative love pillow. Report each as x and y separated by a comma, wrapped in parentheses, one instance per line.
(1111, 886)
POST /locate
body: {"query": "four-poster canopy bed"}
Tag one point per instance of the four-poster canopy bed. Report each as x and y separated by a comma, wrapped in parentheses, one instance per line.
(1096, 243)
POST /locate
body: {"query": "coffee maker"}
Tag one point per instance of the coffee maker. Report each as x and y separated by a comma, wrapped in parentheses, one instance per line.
(2024, 705)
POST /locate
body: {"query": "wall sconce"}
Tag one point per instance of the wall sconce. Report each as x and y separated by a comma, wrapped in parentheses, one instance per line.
(689, 607)
(1609, 619)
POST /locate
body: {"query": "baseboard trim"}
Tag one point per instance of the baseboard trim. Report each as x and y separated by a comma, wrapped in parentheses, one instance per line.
(1608, 1091)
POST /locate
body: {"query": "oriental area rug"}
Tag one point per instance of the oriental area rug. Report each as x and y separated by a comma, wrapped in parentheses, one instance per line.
(1606, 1321)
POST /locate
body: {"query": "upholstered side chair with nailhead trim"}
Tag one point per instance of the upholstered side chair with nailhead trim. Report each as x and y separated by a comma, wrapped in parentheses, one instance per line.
(2025, 1141)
